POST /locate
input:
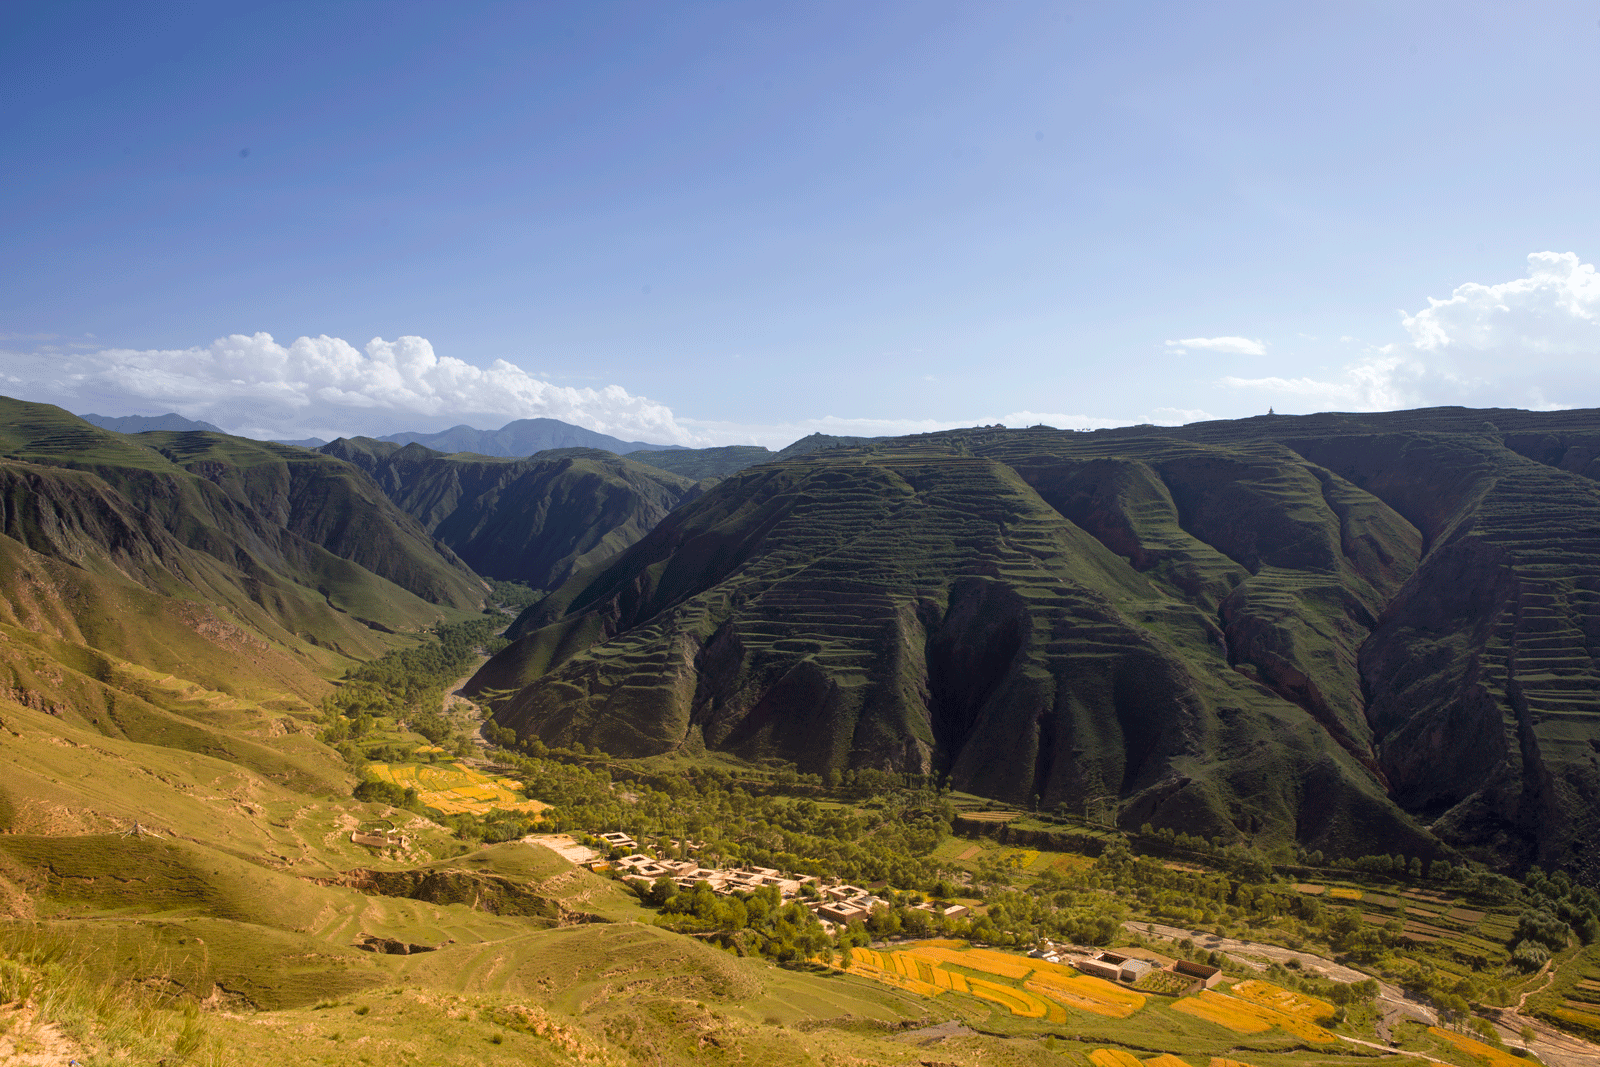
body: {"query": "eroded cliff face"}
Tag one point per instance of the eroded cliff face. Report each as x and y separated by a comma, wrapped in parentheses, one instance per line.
(1344, 630)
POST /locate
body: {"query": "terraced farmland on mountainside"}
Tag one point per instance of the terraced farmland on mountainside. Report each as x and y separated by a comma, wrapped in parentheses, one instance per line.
(1342, 630)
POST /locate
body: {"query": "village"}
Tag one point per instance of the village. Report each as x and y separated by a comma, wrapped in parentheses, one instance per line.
(837, 905)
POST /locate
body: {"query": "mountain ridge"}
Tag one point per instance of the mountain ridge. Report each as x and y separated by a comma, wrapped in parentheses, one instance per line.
(1051, 615)
(520, 437)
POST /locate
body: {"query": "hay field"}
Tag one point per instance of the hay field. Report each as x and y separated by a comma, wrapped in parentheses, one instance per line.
(1046, 989)
(457, 789)
(1258, 1006)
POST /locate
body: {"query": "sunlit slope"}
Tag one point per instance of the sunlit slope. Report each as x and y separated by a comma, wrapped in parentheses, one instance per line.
(189, 591)
(220, 519)
(924, 606)
(537, 520)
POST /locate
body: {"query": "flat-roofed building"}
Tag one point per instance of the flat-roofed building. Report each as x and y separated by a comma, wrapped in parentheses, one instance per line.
(1133, 970)
(844, 912)
(1111, 972)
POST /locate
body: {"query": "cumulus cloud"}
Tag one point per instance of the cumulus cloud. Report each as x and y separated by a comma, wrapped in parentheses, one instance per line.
(1239, 346)
(1530, 342)
(1555, 309)
(324, 386)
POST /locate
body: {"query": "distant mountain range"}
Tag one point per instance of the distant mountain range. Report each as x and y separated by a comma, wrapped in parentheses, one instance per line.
(523, 437)
(171, 421)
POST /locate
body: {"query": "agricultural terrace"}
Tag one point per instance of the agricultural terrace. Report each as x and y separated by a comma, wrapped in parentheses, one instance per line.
(1037, 989)
(457, 789)
(1116, 1057)
(1253, 1007)
(1028, 988)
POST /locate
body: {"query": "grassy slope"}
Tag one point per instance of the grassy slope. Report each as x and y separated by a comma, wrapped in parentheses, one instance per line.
(329, 504)
(701, 463)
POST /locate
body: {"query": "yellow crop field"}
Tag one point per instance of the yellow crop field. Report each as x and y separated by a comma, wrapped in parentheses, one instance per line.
(1495, 1057)
(925, 968)
(1258, 1007)
(1218, 1061)
(1014, 1000)
(886, 967)
(985, 960)
(1087, 993)
(455, 788)
(1113, 1057)
(1225, 1011)
(1166, 1059)
(1341, 893)
(1284, 1000)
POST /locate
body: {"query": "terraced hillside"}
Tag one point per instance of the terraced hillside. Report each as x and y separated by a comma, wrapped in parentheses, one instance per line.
(1339, 629)
(537, 520)
(196, 591)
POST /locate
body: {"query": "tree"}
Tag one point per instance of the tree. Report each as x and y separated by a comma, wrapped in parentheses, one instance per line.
(662, 891)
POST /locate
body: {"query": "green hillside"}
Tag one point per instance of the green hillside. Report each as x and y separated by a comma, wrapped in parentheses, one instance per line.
(702, 463)
(537, 520)
(1336, 629)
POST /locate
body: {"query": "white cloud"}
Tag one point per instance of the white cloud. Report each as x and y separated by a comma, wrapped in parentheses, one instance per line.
(324, 386)
(1555, 309)
(1239, 346)
(1511, 344)
(1180, 416)
(1381, 382)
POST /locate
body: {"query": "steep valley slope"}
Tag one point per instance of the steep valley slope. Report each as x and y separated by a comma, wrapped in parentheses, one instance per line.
(1351, 631)
(539, 519)
(196, 591)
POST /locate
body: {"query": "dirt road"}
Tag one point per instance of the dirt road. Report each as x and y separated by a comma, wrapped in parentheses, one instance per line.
(1393, 1003)
(1551, 1045)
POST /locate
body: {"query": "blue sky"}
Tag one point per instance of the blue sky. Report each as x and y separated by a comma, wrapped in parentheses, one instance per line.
(729, 222)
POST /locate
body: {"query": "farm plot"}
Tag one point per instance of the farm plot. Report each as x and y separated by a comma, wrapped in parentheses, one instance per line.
(457, 789)
(1256, 1007)
(1116, 1057)
(1046, 989)
(1488, 1053)
(1113, 1057)
(1573, 1000)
